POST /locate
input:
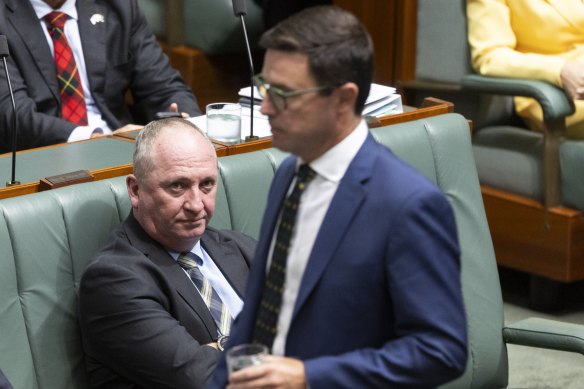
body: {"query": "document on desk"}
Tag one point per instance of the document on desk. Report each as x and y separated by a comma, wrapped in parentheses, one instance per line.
(261, 126)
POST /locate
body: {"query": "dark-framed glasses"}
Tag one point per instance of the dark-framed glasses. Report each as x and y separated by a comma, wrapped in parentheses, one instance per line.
(279, 97)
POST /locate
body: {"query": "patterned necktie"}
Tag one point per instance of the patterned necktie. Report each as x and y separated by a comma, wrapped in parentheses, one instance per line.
(269, 311)
(190, 262)
(73, 106)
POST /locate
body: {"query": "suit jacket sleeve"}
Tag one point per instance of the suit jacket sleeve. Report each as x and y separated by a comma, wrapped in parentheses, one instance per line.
(126, 321)
(423, 271)
(155, 84)
(525, 39)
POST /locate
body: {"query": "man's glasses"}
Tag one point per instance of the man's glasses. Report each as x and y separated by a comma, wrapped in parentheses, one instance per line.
(279, 97)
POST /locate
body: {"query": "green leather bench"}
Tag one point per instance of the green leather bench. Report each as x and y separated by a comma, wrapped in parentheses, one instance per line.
(47, 238)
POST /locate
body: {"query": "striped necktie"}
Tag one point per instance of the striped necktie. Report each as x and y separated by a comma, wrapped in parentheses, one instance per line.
(73, 108)
(191, 262)
(265, 329)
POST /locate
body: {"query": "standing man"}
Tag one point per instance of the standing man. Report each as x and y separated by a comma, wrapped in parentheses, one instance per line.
(74, 65)
(156, 303)
(356, 279)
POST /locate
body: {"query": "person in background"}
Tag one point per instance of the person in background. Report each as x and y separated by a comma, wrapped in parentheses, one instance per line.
(74, 66)
(356, 278)
(532, 39)
(157, 301)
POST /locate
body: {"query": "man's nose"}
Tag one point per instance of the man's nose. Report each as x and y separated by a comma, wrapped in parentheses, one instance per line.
(267, 107)
(193, 200)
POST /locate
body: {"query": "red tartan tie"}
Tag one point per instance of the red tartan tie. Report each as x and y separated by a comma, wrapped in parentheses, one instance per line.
(72, 98)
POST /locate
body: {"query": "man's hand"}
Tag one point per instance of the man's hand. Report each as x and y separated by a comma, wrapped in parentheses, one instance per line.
(275, 372)
(128, 128)
(174, 108)
(572, 76)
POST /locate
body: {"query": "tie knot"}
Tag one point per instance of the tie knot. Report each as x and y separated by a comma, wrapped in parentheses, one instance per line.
(56, 19)
(305, 173)
(189, 260)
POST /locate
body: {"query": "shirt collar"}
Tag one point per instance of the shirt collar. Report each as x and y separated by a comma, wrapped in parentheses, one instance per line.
(197, 250)
(333, 164)
(42, 9)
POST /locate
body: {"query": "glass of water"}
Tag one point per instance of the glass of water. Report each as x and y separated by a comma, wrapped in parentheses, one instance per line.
(224, 122)
(245, 355)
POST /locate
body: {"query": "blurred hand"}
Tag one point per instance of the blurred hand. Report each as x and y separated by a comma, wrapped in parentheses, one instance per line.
(174, 108)
(275, 372)
(128, 128)
(572, 76)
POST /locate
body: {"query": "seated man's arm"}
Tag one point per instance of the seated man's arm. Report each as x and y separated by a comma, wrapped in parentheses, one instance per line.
(35, 128)
(155, 84)
(128, 328)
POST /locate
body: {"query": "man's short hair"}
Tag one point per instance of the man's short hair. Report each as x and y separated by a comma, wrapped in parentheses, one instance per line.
(338, 47)
(144, 160)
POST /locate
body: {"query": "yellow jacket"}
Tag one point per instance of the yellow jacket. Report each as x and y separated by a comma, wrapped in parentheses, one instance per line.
(529, 39)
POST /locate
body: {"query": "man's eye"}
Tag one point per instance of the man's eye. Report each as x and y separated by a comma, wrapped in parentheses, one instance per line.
(176, 186)
(208, 184)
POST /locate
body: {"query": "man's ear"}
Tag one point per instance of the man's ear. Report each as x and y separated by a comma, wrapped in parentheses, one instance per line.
(133, 190)
(347, 96)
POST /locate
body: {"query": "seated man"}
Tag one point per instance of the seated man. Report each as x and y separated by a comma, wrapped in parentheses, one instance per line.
(72, 72)
(356, 278)
(156, 303)
(532, 39)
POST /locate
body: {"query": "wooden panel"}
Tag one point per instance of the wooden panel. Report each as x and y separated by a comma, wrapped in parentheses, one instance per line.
(523, 243)
(379, 17)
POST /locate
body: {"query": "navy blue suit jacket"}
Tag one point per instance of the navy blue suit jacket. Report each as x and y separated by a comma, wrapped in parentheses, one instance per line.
(121, 55)
(380, 302)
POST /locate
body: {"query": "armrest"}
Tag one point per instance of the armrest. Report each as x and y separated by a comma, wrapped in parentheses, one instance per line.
(544, 333)
(554, 102)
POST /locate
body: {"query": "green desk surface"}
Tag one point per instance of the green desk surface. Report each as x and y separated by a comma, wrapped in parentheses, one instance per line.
(98, 153)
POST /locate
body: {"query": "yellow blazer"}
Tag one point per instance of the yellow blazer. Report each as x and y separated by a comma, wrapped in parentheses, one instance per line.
(528, 39)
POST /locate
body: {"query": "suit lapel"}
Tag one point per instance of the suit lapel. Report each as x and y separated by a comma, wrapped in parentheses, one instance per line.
(342, 210)
(93, 35)
(571, 10)
(226, 256)
(167, 265)
(33, 37)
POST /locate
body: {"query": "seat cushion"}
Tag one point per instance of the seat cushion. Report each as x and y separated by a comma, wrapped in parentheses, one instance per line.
(510, 159)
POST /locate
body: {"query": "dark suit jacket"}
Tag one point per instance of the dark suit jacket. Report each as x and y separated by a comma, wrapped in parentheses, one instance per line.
(380, 302)
(121, 55)
(144, 325)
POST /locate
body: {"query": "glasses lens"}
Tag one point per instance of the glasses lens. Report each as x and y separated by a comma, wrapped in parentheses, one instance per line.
(278, 101)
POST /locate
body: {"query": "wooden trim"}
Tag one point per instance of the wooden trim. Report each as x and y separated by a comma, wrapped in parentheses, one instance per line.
(522, 241)
(433, 107)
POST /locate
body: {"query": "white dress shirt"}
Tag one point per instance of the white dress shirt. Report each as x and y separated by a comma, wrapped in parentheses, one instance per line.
(72, 34)
(217, 280)
(314, 203)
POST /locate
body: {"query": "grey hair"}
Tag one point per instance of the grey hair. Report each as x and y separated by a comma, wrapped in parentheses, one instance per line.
(144, 156)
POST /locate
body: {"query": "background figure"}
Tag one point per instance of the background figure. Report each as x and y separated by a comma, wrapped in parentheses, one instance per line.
(277, 10)
(115, 56)
(532, 39)
(147, 319)
(356, 278)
